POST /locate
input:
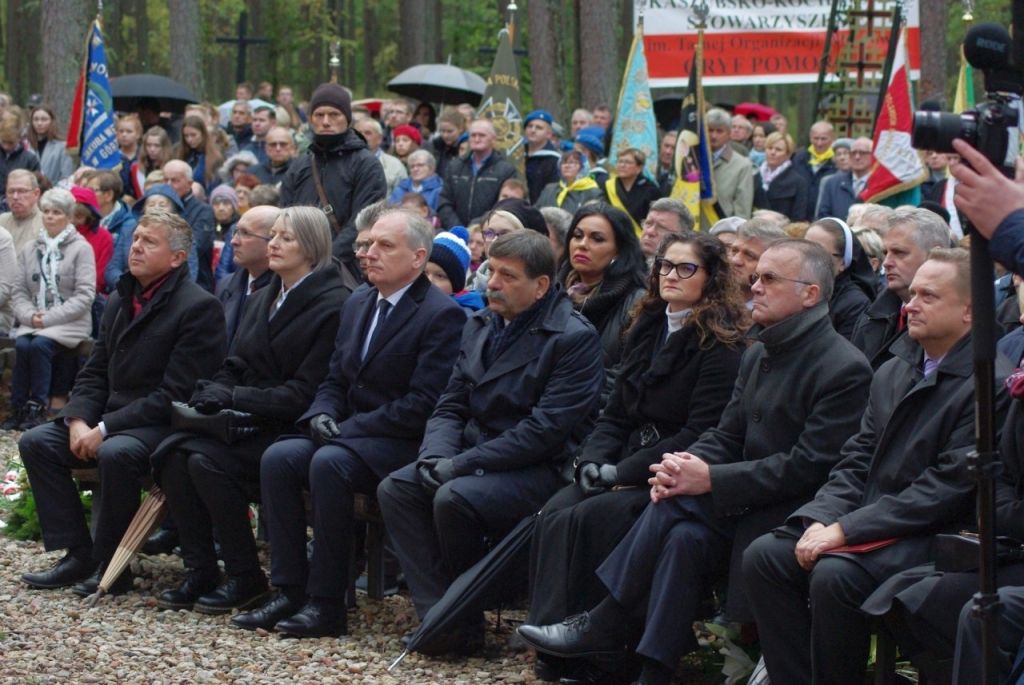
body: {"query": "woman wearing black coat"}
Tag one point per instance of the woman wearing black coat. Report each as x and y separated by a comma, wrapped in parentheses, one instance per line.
(276, 361)
(680, 363)
(854, 289)
(782, 189)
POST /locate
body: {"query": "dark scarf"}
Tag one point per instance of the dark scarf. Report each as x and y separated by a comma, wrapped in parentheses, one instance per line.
(605, 302)
(141, 297)
(501, 338)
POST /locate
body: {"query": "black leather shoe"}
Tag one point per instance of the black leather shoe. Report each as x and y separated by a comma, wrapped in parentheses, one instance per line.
(268, 615)
(198, 582)
(463, 641)
(238, 592)
(124, 583)
(318, 618)
(161, 542)
(15, 415)
(67, 571)
(575, 636)
(551, 669)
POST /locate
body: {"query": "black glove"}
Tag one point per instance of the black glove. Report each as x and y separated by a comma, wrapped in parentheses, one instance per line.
(435, 472)
(595, 479)
(323, 428)
(210, 398)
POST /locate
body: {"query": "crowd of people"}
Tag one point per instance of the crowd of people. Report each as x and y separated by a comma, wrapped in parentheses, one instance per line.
(772, 411)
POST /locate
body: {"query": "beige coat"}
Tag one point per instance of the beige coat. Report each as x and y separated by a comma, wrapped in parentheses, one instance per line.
(8, 273)
(734, 185)
(70, 322)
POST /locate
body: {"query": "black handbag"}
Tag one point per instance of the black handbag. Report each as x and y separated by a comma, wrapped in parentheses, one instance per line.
(227, 425)
(958, 553)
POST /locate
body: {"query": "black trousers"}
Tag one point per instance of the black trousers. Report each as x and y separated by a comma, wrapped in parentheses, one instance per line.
(333, 475)
(811, 626)
(969, 659)
(123, 460)
(439, 535)
(202, 498)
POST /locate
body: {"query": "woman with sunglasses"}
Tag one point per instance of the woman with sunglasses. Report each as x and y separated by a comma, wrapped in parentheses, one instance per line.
(680, 361)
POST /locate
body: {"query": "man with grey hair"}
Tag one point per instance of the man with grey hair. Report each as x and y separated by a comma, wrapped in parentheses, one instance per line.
(249, 243)
(739, 134)
(24, 221)
(521, 399)
(734, 174)
(581, 118)
(280, 152)
(840, 191)
(558, 221)
(752, 239)
(908, 238)
(396, 345)
(160, 334)
(801, 392)
(816, 161)
(199, 216)
(664, 216)
(394, 171)
(472, 182)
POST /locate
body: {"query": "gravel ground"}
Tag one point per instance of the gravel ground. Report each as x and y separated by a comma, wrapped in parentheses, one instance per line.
(52, 637)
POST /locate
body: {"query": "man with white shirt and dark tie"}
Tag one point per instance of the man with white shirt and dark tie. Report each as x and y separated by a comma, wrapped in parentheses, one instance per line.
(249, 242)
(396, 346)
(842, 190)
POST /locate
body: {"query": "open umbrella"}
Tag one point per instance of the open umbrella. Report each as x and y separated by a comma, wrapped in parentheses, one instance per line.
(439, 83)
(150, 513)
(128, 90)
(762, 112)
(666, 111)
(496, 577)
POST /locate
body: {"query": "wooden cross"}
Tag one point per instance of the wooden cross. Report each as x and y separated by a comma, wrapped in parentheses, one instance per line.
(243, 42)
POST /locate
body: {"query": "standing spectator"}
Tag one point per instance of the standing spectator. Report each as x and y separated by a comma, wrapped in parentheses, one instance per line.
(394, 170)
(200, 152)
(129, 138)
(574, 189)
(558, 221)
(240, 124)
(666, 162)
(406, 140)
(740, 134)
(286, 101)
(782, 188)
(603, 116)
(426, 117)
(757, 137)
(422, 180)
(199, 216)
(52, 297)
(779, 121)
(24, 221)
(590, 143)
(816, 161)
(156, 152)
(349, 175)
(280, 148)
(734, 175)
(117, 219)
(842, 190)
(473, 182)
(629, 190)
(86, 217)
(45, 140)
(445, 145)
(236, 165)
(542, 159)
(264, 118)
(581, 119)
(13, 155)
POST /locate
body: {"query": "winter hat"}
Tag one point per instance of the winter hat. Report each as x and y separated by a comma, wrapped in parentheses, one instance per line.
(526, 214)
(163, 189)
(843, 142)
(539, 114)
(592, 138)
(87, 197)
(451, 253)
(409, 132)
(332, 95)
(224, 192)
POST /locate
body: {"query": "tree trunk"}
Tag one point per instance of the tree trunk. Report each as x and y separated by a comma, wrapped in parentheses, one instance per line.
(370, 45)
(257, 66)
(186, 39)
(548, 75)
(411, 44)
(22, 50)
(934, 17)
(141, 37)
(65, 23)
(600, 74)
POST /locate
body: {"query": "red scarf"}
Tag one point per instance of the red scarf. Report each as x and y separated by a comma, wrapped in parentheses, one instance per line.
(140, 300)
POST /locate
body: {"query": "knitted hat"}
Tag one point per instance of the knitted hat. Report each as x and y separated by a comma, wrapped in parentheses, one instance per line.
(843, 142)
(528, 215)
(539, 114)
(332, 95)
(409, 132)
(451, 253)
(224, 192)
(592, 138)
(87, 197)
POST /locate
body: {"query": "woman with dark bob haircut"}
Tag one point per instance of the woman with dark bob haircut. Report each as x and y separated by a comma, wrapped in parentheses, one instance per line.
(679, 363)
(604, 273)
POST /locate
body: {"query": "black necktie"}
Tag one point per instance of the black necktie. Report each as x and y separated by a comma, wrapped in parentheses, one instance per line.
(384, 306)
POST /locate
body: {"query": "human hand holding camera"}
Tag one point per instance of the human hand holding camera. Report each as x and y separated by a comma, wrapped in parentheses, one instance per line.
(984, 194)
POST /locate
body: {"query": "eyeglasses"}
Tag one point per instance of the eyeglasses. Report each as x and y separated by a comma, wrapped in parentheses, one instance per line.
(417, 166)
(770, 279)
(492, 235)
(683, 269)
(19, 191)
(858, 153)
(245, 233)
(283, 143)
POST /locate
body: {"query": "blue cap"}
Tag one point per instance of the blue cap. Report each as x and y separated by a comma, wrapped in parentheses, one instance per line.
(539, 114)
(592, 138)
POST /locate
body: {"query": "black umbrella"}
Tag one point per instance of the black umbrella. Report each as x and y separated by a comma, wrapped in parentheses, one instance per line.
(666, 111)
(170, 95)
(498, 576)
(439, 83)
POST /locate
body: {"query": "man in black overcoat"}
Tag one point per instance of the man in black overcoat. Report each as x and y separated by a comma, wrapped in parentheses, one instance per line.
(249, 240)
(396, 345)
(800, 394)
(902, 479)
(160, 334)
(523, 396)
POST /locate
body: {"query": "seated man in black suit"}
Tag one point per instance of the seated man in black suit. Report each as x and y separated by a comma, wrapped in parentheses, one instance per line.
(396, 345)
(160, 334)
(249, 240)
(522, 398)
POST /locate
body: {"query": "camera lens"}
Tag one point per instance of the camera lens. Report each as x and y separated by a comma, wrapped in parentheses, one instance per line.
(937, 130)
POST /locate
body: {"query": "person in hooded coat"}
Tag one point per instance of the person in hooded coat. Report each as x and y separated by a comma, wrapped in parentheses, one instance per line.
(855, 279)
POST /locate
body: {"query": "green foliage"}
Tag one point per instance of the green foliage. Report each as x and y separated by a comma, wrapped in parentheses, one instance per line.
(23, 523)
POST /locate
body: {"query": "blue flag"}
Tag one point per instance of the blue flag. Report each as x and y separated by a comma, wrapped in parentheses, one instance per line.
(93, 131)
(635, 125)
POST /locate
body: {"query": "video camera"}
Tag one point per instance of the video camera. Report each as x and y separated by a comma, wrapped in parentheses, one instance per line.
(993, 126)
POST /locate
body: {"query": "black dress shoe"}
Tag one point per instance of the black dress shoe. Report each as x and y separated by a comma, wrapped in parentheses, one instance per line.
(551, 669)
(161, 542)
(575, 636)
(67, 571)
(198, 582)
(268, 615)
(318, 618)
(124, 583)
(238, 592)
(465, 640)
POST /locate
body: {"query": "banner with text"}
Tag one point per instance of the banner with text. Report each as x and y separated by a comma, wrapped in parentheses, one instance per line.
(752, 42)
